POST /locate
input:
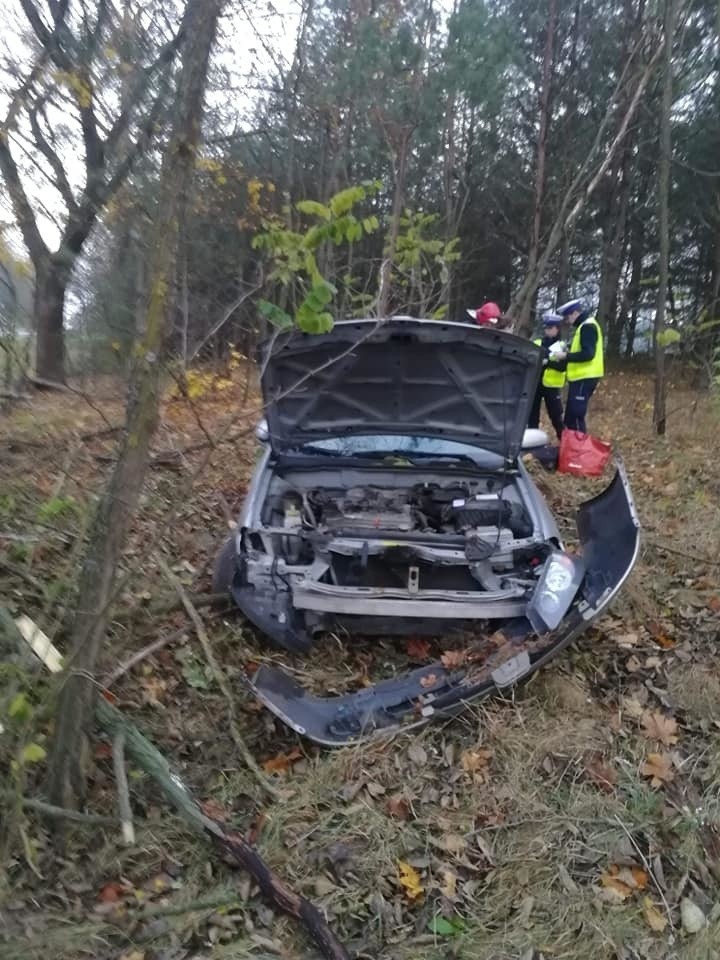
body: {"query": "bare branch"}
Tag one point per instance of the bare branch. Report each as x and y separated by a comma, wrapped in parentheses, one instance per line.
(24, 215)
(61, 181)
(139, 90)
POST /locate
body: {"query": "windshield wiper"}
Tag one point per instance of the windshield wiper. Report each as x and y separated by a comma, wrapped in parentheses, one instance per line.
(403, 456)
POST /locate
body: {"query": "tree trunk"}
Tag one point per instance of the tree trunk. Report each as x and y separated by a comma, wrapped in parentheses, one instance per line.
(50, 288)
(563, 280)
(533, 252)
(663, 197)
(629, 307)
(401, 158)
(117, 506)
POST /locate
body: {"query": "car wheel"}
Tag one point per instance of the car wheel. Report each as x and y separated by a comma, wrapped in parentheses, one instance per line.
(224, 568)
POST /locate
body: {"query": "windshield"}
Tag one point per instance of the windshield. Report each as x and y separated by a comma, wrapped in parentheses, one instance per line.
(399, 444)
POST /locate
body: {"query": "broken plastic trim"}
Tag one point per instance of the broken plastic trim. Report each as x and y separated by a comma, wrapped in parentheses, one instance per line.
(608, 528)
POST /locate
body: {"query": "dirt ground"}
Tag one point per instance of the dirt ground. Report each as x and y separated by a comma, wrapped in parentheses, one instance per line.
(579, 817)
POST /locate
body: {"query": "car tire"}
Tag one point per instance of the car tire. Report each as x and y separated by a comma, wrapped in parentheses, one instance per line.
(224, 567)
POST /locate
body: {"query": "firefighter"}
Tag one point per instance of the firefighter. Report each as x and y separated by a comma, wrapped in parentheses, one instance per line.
(585, 362)
(487, 315)
(553, 378)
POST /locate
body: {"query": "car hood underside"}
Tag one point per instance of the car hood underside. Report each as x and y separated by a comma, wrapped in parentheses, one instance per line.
(400, 376)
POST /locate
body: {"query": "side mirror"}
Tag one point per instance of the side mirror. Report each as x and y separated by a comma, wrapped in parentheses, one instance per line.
(261, 431)
(533, 438)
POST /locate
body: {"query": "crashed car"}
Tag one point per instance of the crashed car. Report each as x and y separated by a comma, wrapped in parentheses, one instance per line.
(392, 498)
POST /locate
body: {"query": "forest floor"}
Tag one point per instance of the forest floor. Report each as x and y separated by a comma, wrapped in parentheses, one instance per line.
(578, 818)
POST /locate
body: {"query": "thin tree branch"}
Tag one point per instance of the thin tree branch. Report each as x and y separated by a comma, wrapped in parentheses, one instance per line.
(21, 205)
(61, 813)
(219, 677)
(61, 182)
(121, 785)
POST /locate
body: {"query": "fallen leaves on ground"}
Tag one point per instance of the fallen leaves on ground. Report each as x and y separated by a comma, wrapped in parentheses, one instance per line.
(418, 649)
(475, 762)
(600, 772)
(215, 811)
(452, 659)
(410, 880)
(623, 882)
(657, 726)
(691, 916)
(282, 762)
(656, 920)
(658, 767)
(112, 892)
(449, 884)
(153, 690)
(398, 806)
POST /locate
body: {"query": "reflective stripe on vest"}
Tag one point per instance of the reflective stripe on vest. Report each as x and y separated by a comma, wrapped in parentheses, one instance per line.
(551, 378)
(590, 369)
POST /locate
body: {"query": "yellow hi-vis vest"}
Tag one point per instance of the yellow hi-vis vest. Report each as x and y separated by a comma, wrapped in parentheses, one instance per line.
(594, 368)
(551, 378)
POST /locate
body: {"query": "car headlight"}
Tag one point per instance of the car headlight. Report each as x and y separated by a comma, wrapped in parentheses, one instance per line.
(559, 582)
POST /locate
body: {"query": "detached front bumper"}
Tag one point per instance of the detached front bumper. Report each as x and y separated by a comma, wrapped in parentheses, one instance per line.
(609, 532)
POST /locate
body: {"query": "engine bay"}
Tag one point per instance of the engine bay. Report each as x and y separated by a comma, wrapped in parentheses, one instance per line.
(430, 507)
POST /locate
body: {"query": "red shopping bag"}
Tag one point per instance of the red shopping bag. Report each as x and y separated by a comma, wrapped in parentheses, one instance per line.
(582, 454)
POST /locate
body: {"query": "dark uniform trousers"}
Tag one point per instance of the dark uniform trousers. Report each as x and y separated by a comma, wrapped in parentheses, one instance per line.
(553, 404)
(579, 393)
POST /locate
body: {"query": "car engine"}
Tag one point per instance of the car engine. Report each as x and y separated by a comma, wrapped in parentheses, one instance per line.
(428, 508)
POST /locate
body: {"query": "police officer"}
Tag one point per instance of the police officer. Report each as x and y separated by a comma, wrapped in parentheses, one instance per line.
(553, 378)
(585, 362)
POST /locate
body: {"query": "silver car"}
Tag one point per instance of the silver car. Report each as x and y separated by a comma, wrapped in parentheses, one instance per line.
(391, 498)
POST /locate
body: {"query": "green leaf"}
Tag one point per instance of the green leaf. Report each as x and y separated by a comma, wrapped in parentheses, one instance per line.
(195, 675)
(667, 337)
(440, 313)
(354, 231)
(19, 708)
(443, 927)
(274, 314)
(344, 201)
(310, 321)
(55, 507)
(370, 224)
(33, 753)
(314, 208)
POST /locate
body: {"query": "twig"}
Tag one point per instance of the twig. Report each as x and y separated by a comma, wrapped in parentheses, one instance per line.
(61, 813)
(123, 795)
(688, 556)
(220, 679)
(162, 609)
(141, 655)
(649, 869)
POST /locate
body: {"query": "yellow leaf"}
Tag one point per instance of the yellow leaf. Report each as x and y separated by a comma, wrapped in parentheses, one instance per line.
(655, 920)
(658, 767)
(475, 762)
(410, 880)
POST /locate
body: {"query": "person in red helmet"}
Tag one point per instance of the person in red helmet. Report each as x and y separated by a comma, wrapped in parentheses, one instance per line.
(488, 315)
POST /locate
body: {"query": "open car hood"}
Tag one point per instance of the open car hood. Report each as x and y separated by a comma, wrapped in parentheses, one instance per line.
(400, 376)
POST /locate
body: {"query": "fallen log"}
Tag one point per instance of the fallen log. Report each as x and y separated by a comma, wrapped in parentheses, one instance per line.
(233, 847)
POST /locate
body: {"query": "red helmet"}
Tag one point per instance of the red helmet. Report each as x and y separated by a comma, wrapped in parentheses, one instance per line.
(488, 314)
